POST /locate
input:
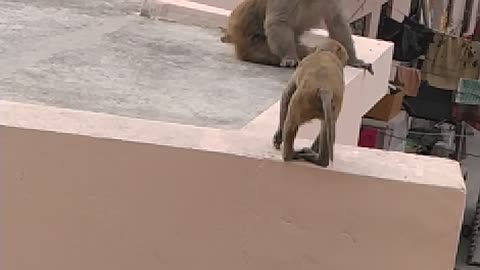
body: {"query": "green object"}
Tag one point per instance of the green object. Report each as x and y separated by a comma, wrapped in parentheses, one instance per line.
(468, 92)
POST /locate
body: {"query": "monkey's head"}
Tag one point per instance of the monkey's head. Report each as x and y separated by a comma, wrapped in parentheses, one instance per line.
(333, 46)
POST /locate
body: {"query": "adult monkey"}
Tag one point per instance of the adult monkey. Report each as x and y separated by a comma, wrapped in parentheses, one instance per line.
(268, 31)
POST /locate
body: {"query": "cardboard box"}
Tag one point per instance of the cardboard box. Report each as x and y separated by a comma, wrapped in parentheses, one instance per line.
(387, 108)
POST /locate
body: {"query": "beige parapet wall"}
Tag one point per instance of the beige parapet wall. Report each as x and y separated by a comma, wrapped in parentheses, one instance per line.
(82, 190)
(362, 91)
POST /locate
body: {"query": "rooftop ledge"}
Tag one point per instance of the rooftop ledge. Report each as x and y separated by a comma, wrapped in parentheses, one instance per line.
(212, 199)
(349, 159)
(137, 187)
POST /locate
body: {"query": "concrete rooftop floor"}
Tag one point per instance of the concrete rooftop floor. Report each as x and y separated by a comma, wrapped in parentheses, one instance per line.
(101, 56)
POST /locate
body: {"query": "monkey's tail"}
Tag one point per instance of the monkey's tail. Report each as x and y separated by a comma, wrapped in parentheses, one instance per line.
(327, 142)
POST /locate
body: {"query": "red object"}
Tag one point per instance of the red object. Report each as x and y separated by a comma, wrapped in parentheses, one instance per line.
(368, 137)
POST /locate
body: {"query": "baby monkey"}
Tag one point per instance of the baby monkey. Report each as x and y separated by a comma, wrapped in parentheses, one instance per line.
(315, 91)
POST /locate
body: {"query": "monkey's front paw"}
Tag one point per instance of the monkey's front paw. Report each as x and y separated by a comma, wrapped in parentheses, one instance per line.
(361, 64)
(277, 139)
(288, 61)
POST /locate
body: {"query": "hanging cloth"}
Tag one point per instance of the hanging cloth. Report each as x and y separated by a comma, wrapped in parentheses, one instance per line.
(450, 58)
(410, 78)
(410, 38)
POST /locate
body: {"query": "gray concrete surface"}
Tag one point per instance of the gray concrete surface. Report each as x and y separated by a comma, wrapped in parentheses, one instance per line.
(100, 56)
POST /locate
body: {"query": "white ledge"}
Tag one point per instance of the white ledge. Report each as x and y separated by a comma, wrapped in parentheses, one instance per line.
(353, 160)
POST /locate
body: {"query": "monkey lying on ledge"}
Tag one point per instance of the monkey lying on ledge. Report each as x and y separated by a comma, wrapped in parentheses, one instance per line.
(268, 31)
(315, 91)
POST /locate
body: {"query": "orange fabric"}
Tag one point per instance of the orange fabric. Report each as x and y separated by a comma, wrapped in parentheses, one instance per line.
(410, 78)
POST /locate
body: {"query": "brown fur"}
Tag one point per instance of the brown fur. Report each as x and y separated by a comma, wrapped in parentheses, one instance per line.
(248, 38)
(315, 91)
(268, 31)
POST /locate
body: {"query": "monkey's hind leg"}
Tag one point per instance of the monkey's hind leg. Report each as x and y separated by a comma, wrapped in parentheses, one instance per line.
(321, 152)
(281, 40)
(317, 153)
(284, 104)
(290, 129)
(289, 134)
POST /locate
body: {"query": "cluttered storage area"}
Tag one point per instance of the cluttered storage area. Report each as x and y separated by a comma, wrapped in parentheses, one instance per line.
(433, 105)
